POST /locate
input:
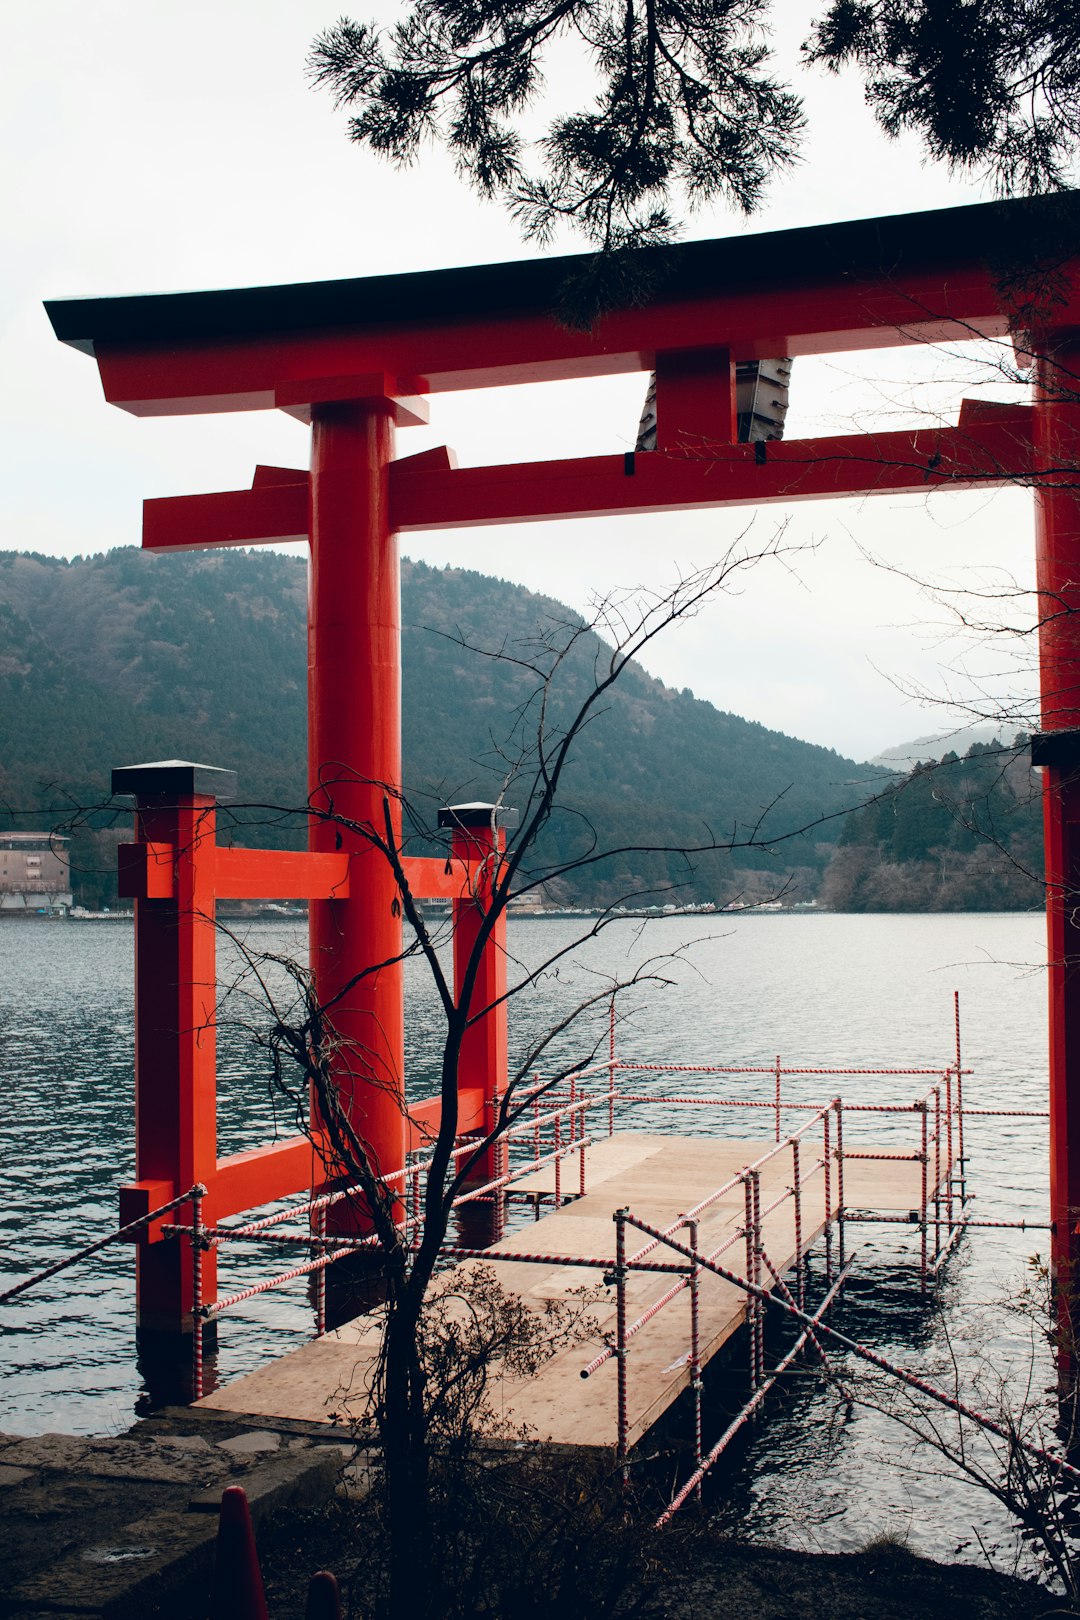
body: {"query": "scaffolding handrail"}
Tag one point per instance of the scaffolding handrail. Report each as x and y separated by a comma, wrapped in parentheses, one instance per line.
(752, 1404)
(936, 1147)
(100, 1243)
(558, 1127)
(766, 1297)
(766, 1068)
(575, 1109)
(740, 1233)
(553, 1123)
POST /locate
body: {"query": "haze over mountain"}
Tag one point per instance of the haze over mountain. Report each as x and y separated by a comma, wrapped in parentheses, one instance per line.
(125, 656)
(936, 744)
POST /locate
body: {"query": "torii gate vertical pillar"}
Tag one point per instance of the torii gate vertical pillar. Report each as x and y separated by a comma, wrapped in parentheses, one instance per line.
(1057, 749)
(354, 755)
(170, 874)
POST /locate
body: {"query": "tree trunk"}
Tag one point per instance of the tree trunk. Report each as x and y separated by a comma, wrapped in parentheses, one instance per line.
(403, 1432)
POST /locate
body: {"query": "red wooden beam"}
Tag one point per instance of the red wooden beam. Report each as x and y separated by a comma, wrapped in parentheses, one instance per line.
(482, 1060)
(1057, 551)
(422, 1122)
(856, 284)
(989, 447)
(175, 1019)
(428, 878)
(374, 391)
(243, 1181)
(182, 377)
(148, 872)
(278, 874)
(695, 399)
(267, 515)
(730, 475)
(258, 1176)
(354, 746)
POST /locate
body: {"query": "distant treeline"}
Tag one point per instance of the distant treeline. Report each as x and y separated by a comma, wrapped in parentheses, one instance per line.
(953, 835)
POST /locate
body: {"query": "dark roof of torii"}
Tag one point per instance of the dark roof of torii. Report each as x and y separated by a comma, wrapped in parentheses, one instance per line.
(865, 247)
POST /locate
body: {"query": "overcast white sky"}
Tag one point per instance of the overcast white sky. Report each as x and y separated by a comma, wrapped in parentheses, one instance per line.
(154, 145)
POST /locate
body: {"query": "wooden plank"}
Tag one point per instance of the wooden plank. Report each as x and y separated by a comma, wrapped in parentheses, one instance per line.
(699, 1165)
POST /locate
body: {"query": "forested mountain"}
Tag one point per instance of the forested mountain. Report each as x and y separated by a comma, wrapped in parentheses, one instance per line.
(953, 835)
(126, 656)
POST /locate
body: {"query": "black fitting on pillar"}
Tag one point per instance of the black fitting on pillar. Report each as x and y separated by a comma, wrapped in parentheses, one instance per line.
(469, 817)
(170, 779)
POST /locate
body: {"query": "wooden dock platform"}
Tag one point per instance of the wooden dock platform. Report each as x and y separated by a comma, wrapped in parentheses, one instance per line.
(658, 1178)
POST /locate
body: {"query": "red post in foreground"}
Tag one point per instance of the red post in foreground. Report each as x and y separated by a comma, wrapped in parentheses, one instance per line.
(170, 874)
(478, 839)
(1057, 749)
(354, 759)
(238, 1585)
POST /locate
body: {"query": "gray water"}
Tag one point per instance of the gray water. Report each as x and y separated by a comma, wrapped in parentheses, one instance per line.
(818, 990)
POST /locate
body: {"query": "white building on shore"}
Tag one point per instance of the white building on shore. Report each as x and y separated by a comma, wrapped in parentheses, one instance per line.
(34, 873)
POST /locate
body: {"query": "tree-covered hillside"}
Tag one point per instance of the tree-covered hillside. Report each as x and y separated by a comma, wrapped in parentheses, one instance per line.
(124, 657)
(113, 659)
(954, 835)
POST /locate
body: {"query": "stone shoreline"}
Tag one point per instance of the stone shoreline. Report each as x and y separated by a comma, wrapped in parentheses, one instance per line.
(112, 1528)
(126, 1526)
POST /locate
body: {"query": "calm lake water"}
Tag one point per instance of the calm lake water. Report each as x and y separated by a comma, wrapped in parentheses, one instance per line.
(819, 990)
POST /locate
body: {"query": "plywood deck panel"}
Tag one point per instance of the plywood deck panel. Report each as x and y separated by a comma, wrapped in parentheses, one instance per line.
(657, 1178)
(701, 1164)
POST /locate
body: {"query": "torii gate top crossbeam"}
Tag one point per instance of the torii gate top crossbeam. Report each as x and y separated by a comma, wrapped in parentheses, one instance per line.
(821, 289)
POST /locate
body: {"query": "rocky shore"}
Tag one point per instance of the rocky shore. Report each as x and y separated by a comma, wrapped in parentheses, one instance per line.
(111, 1528)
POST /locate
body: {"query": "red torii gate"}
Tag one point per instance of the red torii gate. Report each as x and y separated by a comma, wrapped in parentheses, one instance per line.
(358, 358)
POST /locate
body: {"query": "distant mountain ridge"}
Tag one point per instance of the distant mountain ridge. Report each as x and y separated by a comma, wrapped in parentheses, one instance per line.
(125, 656)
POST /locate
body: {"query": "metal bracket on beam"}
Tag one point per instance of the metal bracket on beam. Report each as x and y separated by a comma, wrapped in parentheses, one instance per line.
(1058, 749)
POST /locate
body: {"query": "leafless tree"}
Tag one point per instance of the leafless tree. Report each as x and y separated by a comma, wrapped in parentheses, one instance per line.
(409, 1398)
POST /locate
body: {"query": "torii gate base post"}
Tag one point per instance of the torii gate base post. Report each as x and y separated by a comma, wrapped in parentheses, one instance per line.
(477, 841)
(176, 873)
(1057, 749)
(172, 882)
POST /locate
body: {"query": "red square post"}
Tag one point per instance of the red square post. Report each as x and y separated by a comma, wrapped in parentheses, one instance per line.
(478, 840)
(173, 888)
